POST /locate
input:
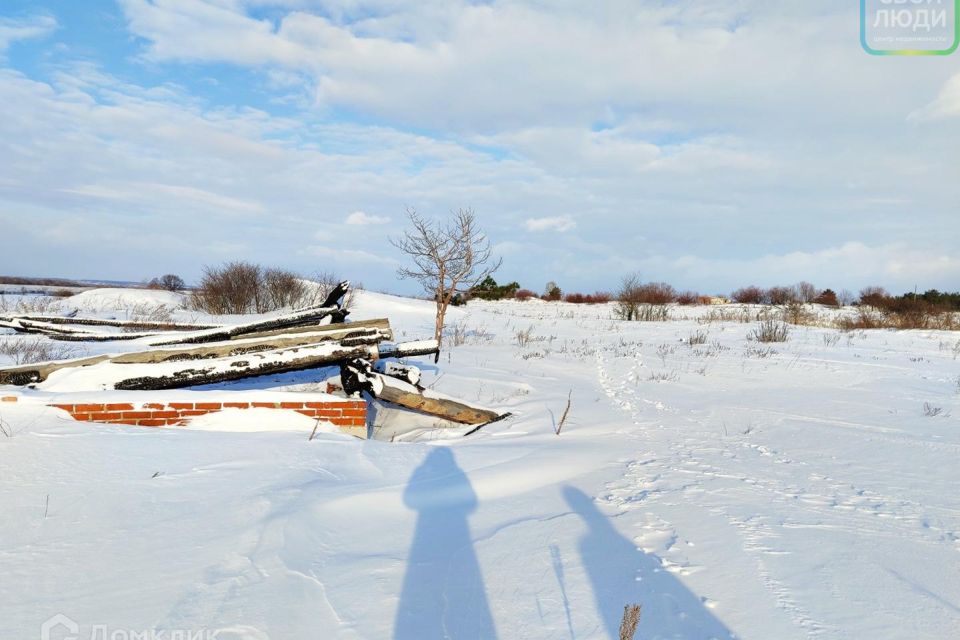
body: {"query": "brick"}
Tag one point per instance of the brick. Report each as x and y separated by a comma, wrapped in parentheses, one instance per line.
(104, 416)
(342, 405)
(165, 414)
(265, 405)
(195, 412)
(355, 413)
(359, 422)
(9, 399)
(236, 405)
(136, 415)
(81, 416)
(180, 405)
(208, 405)
(154, 405)
(151, 423)
(90, 408)
(118, 407)
(65, 407)
(329, 413)
(291, 405)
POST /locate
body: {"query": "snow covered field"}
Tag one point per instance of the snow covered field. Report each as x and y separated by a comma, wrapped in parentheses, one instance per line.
(734, 489)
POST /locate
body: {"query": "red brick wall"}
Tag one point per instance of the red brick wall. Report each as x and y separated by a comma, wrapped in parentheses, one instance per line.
(343, 413)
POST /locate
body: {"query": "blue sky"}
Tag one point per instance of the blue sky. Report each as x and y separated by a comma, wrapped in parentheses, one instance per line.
(704, 143)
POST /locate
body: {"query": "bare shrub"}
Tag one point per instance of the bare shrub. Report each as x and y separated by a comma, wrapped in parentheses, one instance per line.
(627, 297)
(639, 301)
(697, 337)
(524, 295)
(689, 298)
(740, 314)
(846, 298)
(457, 332)
(866, 318)
(770, 330)
(900, 313)
(748, 295)
(243, 287)
(61, 293)
(798, 313)
(23, 350)
(652, 313)
(283, 289)
(781, 295)
(656, 293)
(664, 376)
(524, 336)
(233, 288)
(827, 298)
(805, 292)
(599, 297)
(760, 352)
(168, 282)
(931, 411)
(873, 296)
(552, 292)
(37, 304)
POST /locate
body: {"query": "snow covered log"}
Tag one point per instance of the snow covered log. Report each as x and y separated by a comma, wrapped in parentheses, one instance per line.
(348, 335)
(359, 375)
(175, 375)
(22, 325)
(405, 372)
(140, 325)
(305, 316)
(166, 376)
(31, 373)
(308, 317)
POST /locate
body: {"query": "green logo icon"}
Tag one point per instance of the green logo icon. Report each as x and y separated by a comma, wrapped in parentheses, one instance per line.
(910, 27)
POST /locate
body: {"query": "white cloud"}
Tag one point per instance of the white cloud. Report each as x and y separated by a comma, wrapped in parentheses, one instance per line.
(557, 223)
(362, 219)
(12, 29)
(947, 103)
(714, 144)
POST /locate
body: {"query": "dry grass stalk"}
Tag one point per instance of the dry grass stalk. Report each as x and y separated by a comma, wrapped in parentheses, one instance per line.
(631, 618)
(566, 411)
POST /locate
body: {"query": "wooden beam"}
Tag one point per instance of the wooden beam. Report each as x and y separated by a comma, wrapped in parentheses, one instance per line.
(348, 334)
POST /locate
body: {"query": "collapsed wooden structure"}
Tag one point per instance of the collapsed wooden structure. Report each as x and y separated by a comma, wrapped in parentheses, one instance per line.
(186, 355)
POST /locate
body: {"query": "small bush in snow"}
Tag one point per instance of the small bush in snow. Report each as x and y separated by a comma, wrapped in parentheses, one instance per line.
(770, 330)
(30, 350)
(243, 287)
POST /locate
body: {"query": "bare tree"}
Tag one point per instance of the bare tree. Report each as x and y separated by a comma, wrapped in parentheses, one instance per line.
(168, 282)
(448, 258)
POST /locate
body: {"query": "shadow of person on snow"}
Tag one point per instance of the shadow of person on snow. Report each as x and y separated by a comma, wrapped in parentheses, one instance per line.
(621, 574)
(443, 594)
